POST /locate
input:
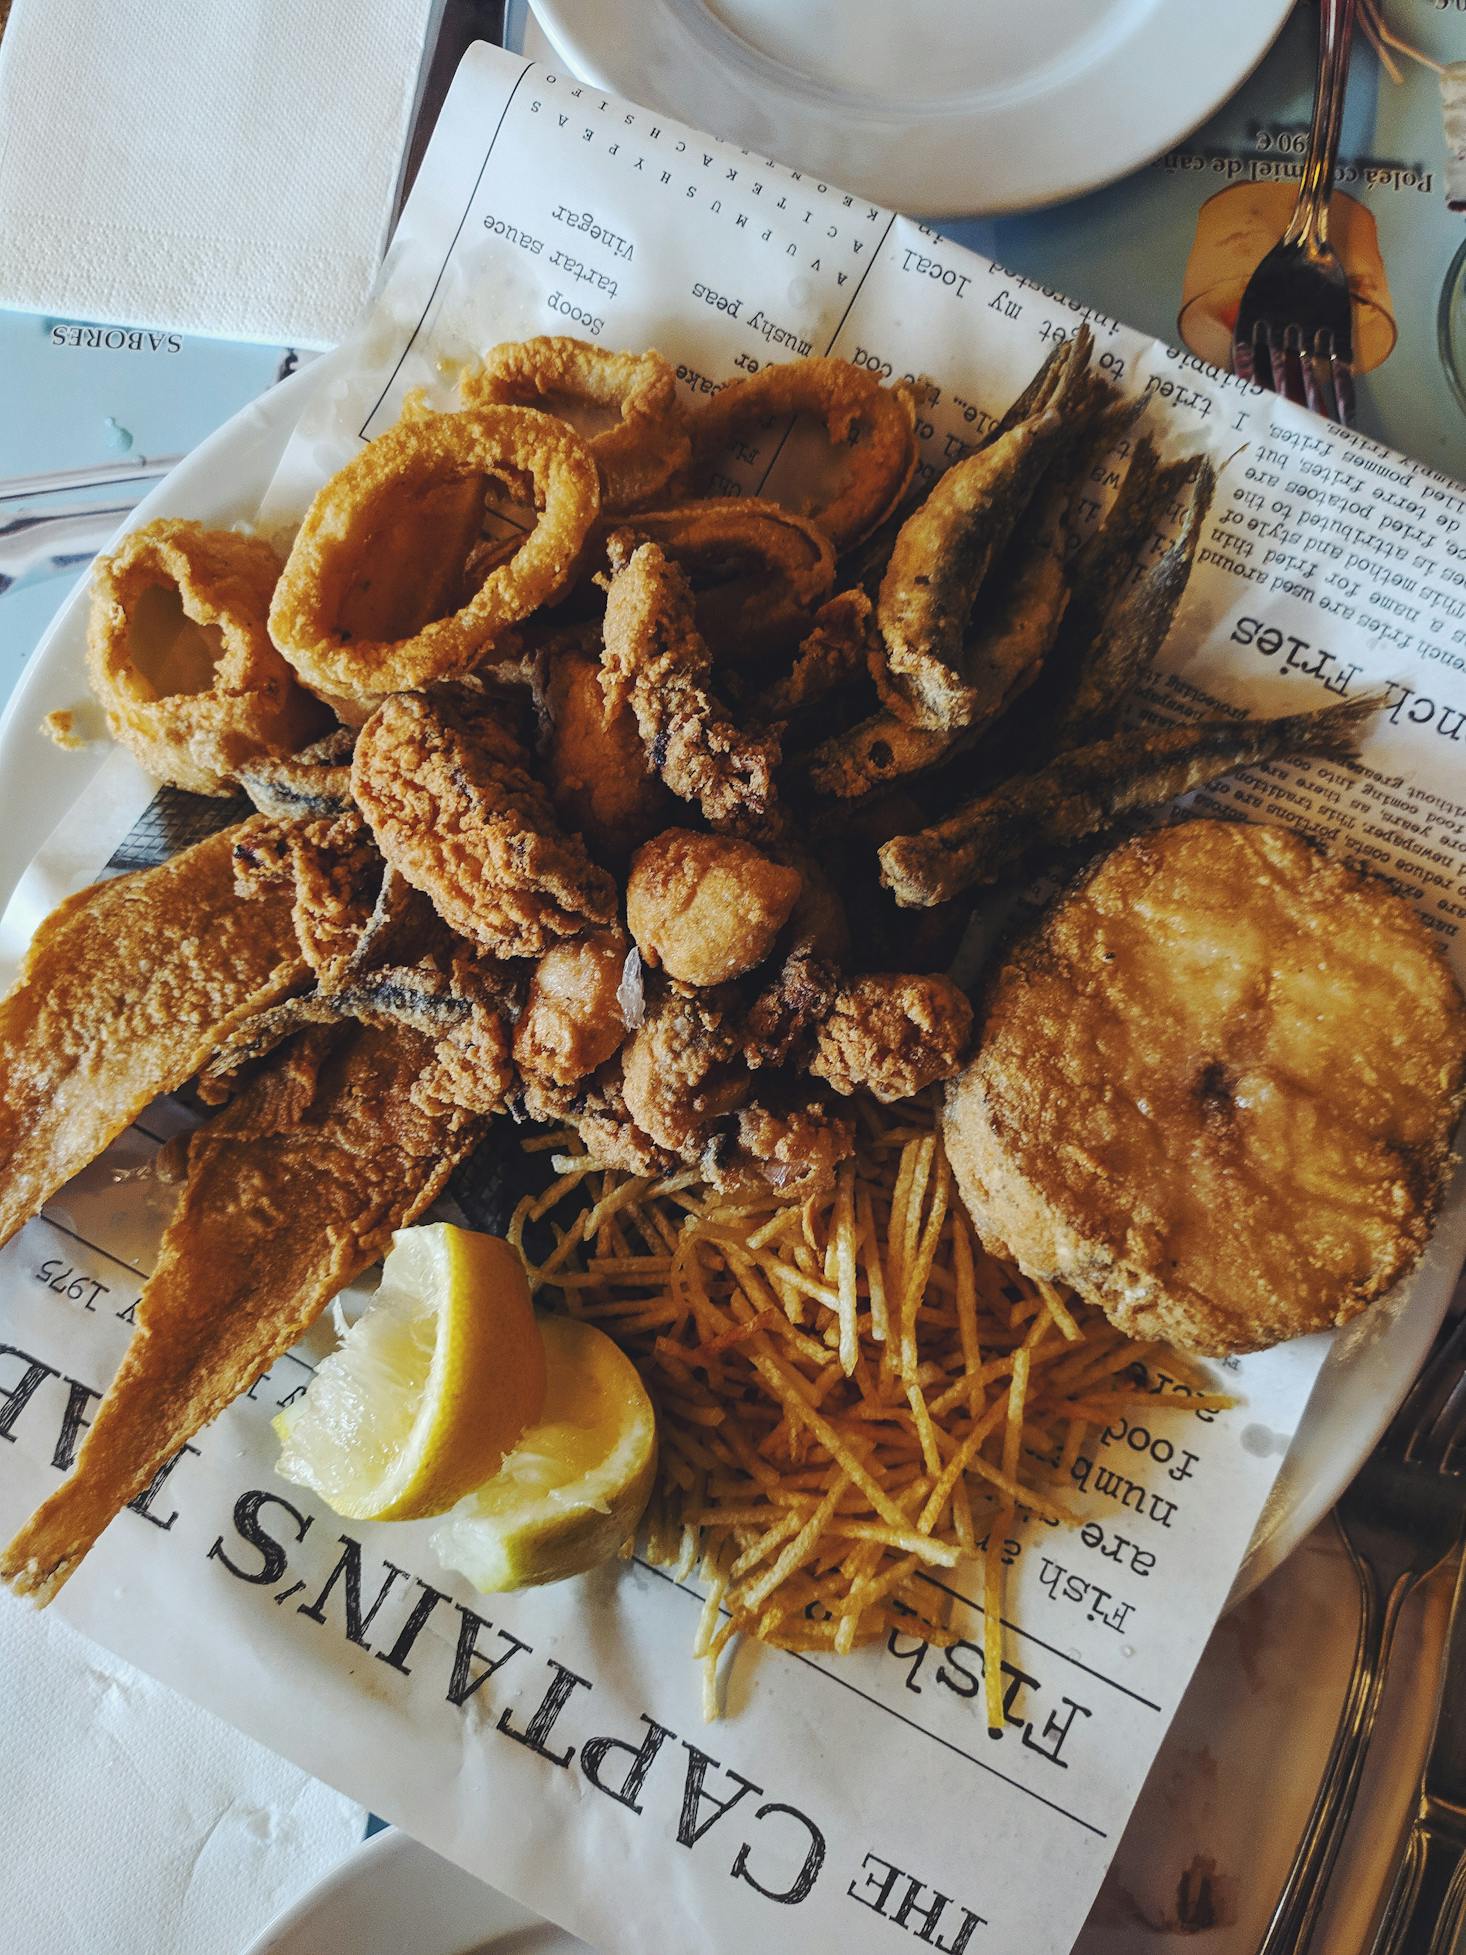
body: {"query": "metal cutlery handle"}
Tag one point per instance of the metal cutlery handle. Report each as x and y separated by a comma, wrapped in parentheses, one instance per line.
(1302, 1897)
(1424, 1913)
(1309, 224)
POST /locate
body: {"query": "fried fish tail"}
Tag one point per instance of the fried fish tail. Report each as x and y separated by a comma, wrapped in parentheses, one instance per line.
(126, 991)
(1079, 792)
(290, 1193)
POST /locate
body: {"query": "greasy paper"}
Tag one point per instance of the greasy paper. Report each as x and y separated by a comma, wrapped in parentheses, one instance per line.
(553, 1742)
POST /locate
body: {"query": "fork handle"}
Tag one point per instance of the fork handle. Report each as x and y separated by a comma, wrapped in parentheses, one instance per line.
(1303, 1892)
(1309, 224)
(1427, 1903)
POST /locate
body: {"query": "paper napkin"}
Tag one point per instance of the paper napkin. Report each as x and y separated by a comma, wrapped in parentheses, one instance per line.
(224, 167)
(136, 1822)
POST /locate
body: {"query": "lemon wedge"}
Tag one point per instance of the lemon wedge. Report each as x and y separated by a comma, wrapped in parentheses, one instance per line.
(572, 1491)
(430, 1387)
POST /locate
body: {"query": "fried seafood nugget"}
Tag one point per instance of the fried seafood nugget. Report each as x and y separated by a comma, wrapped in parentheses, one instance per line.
(891, 1034)
(449, 798)
(324, 617)
(126, 990)
(597, 768)
(656, 660)
(573, 1019)
(597, 1108)
(793, 1143)
(757, 569)
(707, 907)
(644, 449)
(873, 426)
(289, 1194)
(179, 655)
(681, 1072)
(779, 1022)
(1215, 1089)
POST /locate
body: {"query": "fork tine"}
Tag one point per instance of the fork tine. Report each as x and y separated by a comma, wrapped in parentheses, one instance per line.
(1448, 1427)
(1433, 1388)
(1343, 377)
(1264, 358)
(1318, 387)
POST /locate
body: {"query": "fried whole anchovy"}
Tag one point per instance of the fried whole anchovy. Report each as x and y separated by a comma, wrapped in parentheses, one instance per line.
(305, 785)
(1134, 628)
(290, 1193)
(1081, 791)
(127, 988)
(947, 547)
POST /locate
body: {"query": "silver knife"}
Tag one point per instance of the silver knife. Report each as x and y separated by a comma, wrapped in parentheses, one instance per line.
(1426, 1910)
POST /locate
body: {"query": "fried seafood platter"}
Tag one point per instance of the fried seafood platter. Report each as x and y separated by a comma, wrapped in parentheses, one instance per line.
(589, 821)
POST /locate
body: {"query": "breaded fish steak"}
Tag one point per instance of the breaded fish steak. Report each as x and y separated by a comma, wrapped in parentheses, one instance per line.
(1215, 1089)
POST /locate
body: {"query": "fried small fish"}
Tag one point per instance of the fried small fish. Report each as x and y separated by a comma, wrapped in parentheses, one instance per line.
(125, 992)
(290, 1193)
(1079, 792)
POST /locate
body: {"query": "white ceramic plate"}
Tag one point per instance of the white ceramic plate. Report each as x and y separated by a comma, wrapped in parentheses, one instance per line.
(393, 1897)
(942, 108)
(1371, 1363)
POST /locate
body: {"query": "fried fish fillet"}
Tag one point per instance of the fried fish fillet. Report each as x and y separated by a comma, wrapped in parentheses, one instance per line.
(1215, 1090)
(289, 1194)
(125, 992)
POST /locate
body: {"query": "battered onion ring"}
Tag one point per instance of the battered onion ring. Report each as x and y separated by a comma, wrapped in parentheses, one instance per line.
(193, 705)
(759, 609)
(418, 454)
(877, 424)
(642, 453)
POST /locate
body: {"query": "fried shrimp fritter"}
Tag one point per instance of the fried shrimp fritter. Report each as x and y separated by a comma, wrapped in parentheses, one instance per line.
(596, 765)
(1215, 1089)
(452, 805)
(656, 659)
(573, 1020)
(707, 907)
(680, 1073)
(889, 1034)
(179, 655)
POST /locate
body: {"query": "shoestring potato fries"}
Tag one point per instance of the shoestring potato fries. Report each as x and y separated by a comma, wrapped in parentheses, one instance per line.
(852, 1396)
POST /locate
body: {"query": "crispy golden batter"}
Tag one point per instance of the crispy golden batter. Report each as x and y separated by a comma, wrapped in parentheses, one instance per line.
(680, 1073)
(573, 1020)
(324, 616)
(597, 1107)
(793, 1144)
(1215, 1089)
(892, 1034)
(643, 450)
(873, 426)
(596, 766)
(179, 655)
(656, 660)
(781, 1018)
(757, 570)
(290, 1193)
(126, 990)
(452, 806)
(707, 907)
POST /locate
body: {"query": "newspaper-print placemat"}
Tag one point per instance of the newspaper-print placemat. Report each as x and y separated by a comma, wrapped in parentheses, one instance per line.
(553, 1742)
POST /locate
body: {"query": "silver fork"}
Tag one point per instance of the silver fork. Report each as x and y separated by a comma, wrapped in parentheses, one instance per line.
(1295, 327)
(1401, 1516)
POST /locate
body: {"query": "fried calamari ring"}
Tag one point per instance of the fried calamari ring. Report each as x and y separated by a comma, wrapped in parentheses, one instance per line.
(876, 424)
(784, 565)
(361, 502)
(178, 655)
(646, 448)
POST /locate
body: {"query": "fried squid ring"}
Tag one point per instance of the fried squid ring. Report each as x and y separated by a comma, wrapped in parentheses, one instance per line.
(784, 566)
(178, 655)
(876, 424)
(359, 506)
(645, 449)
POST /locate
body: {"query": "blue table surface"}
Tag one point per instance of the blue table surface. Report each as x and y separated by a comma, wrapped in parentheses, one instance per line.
(76, 398)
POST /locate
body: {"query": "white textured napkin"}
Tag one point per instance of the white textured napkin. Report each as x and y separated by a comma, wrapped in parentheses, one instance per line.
(206, 166)
(135, 1822)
